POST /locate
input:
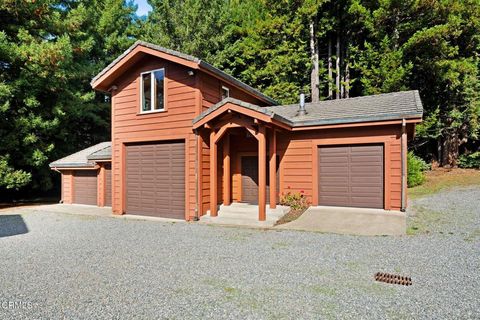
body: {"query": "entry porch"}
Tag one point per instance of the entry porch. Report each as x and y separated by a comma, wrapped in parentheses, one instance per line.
(243, 166)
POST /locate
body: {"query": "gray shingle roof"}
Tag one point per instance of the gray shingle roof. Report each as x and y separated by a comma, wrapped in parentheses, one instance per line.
(102, 154)
(82, 159)
(202, 63)
(241, 103)
(381, 107)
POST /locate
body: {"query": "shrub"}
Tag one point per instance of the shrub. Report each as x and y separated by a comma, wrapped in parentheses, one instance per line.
(470, 161)
(416, 167)
(295, 200)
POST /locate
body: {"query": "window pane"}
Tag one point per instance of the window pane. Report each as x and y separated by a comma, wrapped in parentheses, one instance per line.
(146, 92)
(159, 78)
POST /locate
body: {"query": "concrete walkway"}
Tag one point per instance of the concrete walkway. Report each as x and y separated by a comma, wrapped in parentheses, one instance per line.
(355, 221)
(81, 209)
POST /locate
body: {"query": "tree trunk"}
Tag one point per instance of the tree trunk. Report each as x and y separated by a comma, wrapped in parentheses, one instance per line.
(347, 76)
(329, 63)
(337, 67)
(314, 78)
(450, 148)
(342, 64)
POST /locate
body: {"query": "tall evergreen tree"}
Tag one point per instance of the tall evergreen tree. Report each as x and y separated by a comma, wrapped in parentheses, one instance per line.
(49, 50)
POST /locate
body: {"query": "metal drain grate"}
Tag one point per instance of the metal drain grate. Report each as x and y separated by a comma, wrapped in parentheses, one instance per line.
(393, 279)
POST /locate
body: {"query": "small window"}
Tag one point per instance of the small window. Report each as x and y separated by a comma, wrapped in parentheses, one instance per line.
(225, 92)
(152, 90)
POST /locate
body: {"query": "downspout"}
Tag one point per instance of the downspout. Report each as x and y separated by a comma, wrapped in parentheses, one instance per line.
(403, 143)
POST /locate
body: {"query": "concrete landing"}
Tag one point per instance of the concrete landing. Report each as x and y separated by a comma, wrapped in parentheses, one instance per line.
(80, 209)
(354, 221)
(242, 214)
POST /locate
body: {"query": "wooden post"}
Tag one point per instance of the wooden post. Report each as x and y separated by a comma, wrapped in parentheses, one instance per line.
(213, 175)
(262, 173)
(404, 151)
(273, 169)
(226, 170)
(101, 186)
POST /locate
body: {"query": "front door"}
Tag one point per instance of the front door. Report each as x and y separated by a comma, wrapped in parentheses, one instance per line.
(250, 179)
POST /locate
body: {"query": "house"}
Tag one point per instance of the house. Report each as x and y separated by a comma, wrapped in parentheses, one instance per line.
(187, 137)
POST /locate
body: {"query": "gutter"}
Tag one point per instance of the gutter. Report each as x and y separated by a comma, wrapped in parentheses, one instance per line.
(403, 143)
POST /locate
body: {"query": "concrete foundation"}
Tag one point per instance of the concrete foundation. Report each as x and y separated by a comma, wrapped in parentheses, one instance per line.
(354, 221)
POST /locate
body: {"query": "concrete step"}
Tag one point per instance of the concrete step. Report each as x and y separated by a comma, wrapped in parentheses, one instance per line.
(246, 208)
(248, 216)
(238, 221)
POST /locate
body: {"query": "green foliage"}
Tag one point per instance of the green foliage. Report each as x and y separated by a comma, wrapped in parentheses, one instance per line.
(190, 26)
(11, 178)
(295, 200)
(470, 161)
(416, 167)
(49, 51)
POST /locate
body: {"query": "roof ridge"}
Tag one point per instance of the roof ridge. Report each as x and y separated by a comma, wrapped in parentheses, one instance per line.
(203, 63)
(352, 98)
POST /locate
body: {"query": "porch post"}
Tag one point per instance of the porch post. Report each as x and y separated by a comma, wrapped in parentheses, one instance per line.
(262, 173)
(213, 175)
(226, 169)
(273, 169)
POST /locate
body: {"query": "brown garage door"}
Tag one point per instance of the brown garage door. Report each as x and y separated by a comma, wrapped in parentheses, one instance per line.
(108, 185)
(85, 187)
(155, 181)
(351, 176)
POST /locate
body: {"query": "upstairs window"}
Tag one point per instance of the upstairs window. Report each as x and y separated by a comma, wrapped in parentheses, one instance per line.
(225, 92)
(152, 91)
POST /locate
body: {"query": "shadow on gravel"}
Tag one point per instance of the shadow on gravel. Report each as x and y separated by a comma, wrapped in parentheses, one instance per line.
(12, 225)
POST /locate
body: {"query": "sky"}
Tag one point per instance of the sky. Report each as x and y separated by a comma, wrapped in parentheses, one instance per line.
(143, 7)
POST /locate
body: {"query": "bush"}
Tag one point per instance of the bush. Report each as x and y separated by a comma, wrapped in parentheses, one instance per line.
(470, 161)
(295, 200)
(416, 167)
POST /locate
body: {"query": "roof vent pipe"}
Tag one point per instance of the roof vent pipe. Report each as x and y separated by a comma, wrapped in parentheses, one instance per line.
(301, 108)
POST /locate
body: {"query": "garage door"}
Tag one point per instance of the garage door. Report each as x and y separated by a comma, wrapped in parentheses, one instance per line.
(85, 187)
(351, 176)
(155, 181)
(108, 185)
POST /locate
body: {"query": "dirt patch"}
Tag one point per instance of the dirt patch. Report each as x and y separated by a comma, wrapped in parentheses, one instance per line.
(440, 179)
(293, 214)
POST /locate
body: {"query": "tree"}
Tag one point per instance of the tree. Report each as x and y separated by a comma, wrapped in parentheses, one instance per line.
(190, 26)
(49, 51)
(430, 46)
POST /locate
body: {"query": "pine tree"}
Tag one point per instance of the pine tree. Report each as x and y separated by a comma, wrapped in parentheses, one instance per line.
(49, 51)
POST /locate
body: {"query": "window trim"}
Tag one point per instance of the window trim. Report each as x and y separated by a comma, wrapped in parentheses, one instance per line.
(152, 93)
(226, 89)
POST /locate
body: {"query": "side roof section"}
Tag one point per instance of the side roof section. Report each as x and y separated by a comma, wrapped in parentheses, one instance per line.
(381, 107)
(81, 159)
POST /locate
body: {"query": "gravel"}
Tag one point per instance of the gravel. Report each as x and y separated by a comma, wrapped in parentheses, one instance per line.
(84, 267)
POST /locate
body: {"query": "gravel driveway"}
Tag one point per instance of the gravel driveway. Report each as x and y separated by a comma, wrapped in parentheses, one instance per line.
(83, 267)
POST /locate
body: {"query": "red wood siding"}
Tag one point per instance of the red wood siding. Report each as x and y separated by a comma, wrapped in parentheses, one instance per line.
(175, 123)
(67, 186)
(297, 163)
(210, 89)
